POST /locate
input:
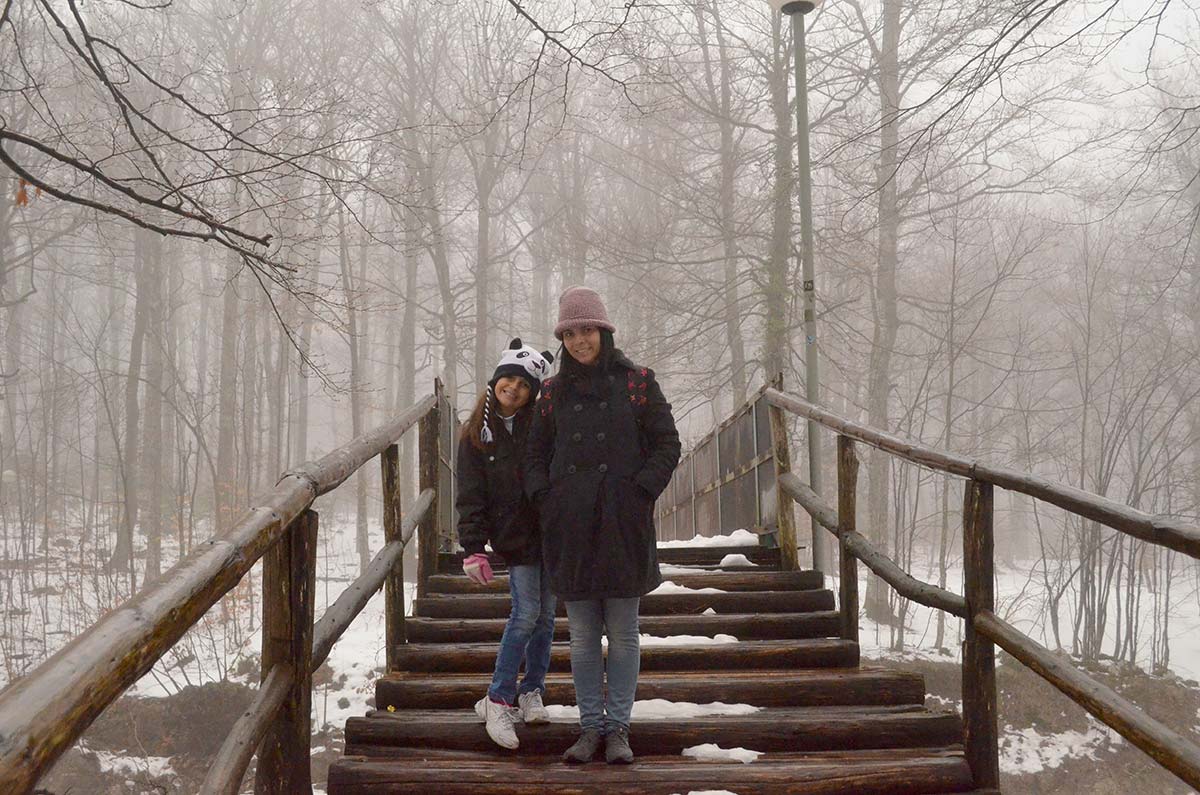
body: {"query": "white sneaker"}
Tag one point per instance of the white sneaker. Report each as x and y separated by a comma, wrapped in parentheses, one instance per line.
(500, 722)
(532, 708)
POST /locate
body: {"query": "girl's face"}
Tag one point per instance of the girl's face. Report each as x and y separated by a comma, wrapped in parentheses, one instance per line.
(583, 344)
(512, 392)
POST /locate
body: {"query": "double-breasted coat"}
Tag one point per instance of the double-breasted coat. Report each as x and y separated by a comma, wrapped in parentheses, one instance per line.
(601, 448)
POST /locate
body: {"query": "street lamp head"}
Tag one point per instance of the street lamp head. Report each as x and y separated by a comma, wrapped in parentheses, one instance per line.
(794, 6)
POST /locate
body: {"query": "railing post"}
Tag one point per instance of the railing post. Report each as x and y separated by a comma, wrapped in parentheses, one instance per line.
(394, 631)
(429, 453)
(981, 738)
(785, 522)
(847, 470)
(289, 580)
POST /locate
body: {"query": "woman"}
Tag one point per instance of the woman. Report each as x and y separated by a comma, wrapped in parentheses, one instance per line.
(492, 507)
(601, 449)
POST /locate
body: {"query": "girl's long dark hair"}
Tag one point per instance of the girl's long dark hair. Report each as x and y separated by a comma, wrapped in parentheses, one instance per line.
(472, 428)
(568, 367)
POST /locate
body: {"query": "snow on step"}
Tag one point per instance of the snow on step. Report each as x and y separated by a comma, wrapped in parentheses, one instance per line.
(738, 538)
(668, 586)
(660, 709)
(711, 752)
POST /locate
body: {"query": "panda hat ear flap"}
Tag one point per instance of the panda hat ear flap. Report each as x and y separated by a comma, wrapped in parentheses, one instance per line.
(548, 356)
(516, 344)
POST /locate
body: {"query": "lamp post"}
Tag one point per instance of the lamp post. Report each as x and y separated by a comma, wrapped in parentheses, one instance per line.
(796, 9)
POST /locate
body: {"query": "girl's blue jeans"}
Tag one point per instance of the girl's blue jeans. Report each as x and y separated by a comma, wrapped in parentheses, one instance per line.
(527, 635)
(618, 619)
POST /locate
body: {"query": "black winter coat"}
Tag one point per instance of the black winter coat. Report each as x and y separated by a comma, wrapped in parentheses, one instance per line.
(600, 452)
(491, 502)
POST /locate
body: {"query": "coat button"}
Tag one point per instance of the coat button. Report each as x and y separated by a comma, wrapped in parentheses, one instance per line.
(571, 469)
(577, 436)
(579, 407)
(600, 436)
(602, 468)
(603, 404)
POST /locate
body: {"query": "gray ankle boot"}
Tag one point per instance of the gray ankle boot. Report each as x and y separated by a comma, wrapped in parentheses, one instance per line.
(616, 747)
(585, 747)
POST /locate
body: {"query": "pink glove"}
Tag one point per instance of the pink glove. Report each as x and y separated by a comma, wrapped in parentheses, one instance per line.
(478, 569)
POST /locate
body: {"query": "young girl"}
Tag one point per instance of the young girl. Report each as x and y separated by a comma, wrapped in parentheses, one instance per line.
(602, 448)
(492, 507)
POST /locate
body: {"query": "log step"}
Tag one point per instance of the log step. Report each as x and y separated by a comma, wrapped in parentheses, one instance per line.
(775, 729)
(763, 688)
(726, 603)
(896, 772)
(723, 580)
(743, 626)
(451, 562)
(809, 653)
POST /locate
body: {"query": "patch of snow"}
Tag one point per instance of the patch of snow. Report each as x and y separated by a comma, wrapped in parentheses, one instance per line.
(688, 640)
(715, 753)
(738, 538)
(659, 709)
(681, 640)
(668, 587)
(123, 764)
(736, 559)
(669, 569)
(708, 611)
(1030, 751)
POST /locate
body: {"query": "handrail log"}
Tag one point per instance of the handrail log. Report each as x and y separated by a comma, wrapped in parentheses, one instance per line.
(334, 468)
(1168, 748)
(229, 767)
(346, 608)
(45, 711)
(906, 585)
(1167, 531)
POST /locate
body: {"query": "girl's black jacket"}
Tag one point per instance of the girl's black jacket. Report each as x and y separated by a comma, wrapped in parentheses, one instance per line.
(491, 502)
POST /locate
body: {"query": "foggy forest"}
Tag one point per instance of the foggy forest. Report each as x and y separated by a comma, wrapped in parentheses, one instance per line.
(236, 234)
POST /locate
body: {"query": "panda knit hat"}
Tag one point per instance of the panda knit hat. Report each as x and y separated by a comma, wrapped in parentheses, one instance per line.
(521, 361)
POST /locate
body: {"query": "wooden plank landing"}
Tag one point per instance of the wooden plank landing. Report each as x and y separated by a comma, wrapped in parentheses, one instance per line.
(824, 723)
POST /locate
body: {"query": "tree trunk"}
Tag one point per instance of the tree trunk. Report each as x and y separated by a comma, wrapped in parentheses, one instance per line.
(361, 541)
(775, 353)
(436, 243)
(723, 108)
(408, 346)
(484, 184)
(577, 216)
(226, 485)
(153, 462)
(123, 552)
(886, 322)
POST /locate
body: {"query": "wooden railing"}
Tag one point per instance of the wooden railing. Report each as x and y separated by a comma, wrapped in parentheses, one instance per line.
(983, 628)
(45, 711)
(728, 481)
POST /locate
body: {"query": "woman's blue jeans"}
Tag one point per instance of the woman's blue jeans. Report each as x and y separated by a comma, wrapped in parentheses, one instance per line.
(618, 619)
(527, 635)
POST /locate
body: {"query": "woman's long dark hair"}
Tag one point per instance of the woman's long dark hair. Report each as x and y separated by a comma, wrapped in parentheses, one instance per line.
(569, 367)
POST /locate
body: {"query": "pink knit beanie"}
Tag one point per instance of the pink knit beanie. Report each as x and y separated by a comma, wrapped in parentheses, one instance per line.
(579, 307)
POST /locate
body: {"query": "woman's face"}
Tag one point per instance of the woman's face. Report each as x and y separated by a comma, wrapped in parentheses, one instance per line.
(512, 392)
(583, 344)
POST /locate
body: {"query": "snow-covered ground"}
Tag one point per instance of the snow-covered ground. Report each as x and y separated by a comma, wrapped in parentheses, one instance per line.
(1019, 600)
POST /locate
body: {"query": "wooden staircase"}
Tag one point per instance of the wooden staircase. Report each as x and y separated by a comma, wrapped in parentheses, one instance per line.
(826, 723)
